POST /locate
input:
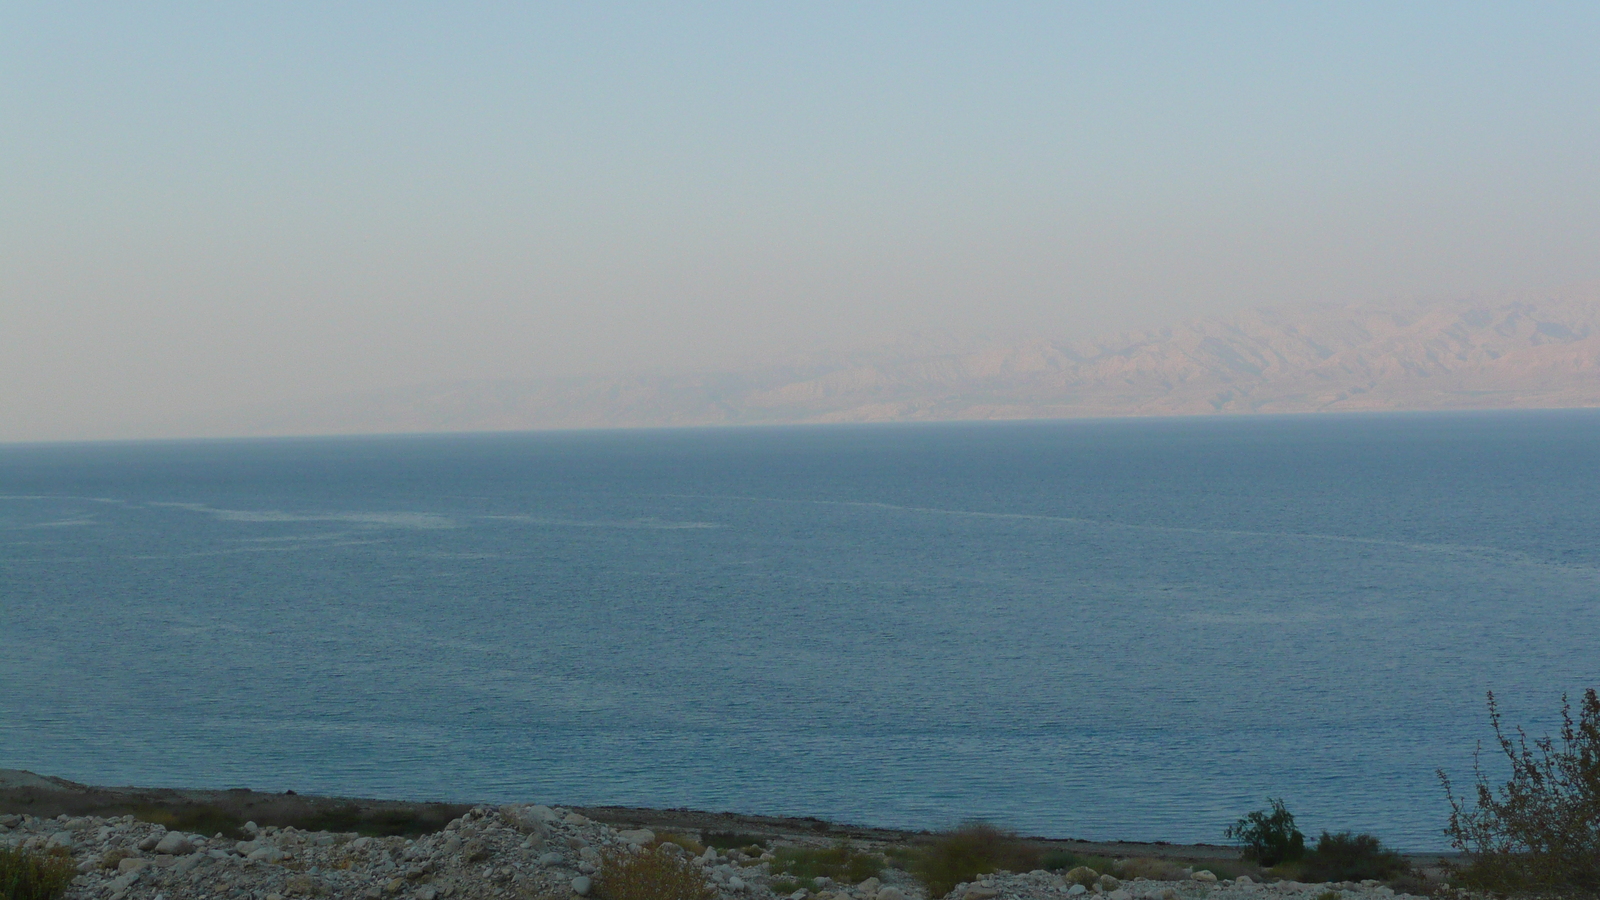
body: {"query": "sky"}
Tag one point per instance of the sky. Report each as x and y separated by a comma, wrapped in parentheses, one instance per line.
(204, 206)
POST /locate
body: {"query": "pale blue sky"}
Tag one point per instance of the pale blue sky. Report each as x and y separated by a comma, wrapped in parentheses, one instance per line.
(213, 204)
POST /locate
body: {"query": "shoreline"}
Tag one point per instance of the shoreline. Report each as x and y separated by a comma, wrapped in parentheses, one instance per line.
(43, 796)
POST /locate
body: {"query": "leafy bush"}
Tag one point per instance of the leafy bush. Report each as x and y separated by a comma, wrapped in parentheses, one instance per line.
(974, 849)
(629, 874)
(25, 875)
(1350, 857)
(1540, 831)
(1268, 837)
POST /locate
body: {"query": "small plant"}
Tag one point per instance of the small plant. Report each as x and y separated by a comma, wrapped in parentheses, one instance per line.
(629, 874)
(735, 840)
(841, 862)
(1350, 857)
(26, 875)
(974, 849)
(1268, 837)
(1540, 831)
(1152, 869)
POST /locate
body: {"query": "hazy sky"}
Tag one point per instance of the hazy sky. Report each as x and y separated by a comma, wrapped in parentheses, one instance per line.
(212, 204)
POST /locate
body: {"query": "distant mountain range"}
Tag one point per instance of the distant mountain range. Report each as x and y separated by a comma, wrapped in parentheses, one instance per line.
(1508, 353)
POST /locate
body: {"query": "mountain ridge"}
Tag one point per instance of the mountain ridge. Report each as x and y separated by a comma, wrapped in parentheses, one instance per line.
(1534, 351)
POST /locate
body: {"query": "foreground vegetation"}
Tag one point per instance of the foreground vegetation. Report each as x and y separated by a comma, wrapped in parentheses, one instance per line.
(1539, 832)
(26, 875)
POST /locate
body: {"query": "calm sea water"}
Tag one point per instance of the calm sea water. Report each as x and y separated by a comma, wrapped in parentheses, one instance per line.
(1110, 630)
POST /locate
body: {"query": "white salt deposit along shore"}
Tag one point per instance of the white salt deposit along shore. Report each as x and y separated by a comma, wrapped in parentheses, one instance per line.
(512, 852)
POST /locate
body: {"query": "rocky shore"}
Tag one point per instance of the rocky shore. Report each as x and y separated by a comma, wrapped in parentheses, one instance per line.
(518, 852)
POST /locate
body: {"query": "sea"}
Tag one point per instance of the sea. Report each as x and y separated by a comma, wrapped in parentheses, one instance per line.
(1129, 629)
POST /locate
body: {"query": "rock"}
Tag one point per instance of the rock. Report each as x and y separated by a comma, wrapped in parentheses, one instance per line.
(151, 840)
(638, 836)
(1082, 875)
(1204, 876)
(267, 854)
(574, 820)
(9, 821)
(475, 851)
(1244, 879)
(394, 886)
(870, 886)
(735, 883)
(891, 893)
(426, 892)
(980, 893)
(1076, 889)
(582, 884)
(132, 864)
(452, 844)
(549, 859)
(1109, 883)
(175, 843)
(64, 839)
(1169, 894)
(1119, 894)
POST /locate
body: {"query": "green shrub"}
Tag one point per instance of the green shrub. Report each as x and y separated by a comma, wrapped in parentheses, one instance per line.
(1064, 860)
(1268, 837)
(735, 840)
(1540, 830)
(629, 874)
(1350, 857)
(842, 862)
(974, 849)
(25, 875)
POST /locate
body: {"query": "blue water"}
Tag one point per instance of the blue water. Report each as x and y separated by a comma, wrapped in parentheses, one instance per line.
(1105, 629)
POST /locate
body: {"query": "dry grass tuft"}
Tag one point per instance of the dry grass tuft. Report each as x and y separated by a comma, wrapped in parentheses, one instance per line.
(628, 874)
(26, 875)
(974, 849)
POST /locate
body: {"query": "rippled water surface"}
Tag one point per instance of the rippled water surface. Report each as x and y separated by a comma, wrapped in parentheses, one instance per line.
(1116, 629)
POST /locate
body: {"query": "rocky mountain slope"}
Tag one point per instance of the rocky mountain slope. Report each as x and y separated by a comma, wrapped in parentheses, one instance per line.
(1523, 352)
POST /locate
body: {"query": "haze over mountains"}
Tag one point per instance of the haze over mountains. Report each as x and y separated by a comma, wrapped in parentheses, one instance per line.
(1521, 352)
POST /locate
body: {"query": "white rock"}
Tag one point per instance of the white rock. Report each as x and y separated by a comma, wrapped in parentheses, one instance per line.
(574, 819)
(582, 884)
(735, 883)
(1204, 876)
(175, 843)
(870, 886)
(1075, 890)
(891, 893)
(638, 836)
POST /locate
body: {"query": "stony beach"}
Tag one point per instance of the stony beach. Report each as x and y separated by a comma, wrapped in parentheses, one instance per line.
(512, 852)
